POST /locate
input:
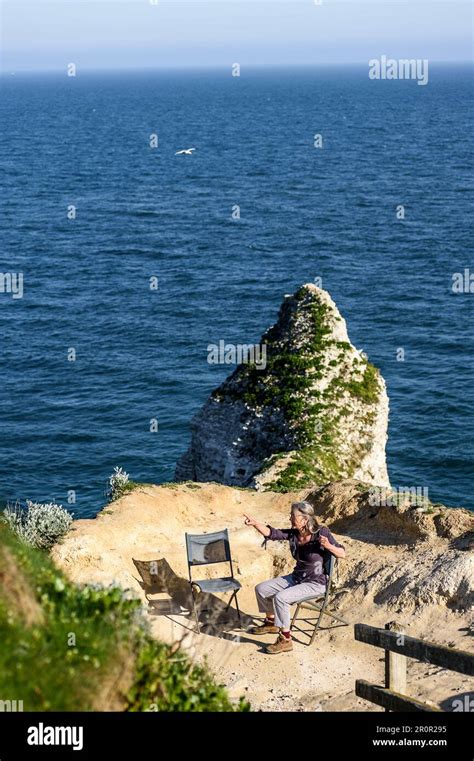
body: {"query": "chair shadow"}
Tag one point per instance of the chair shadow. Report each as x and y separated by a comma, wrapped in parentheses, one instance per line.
(215, 619)
(309, 632)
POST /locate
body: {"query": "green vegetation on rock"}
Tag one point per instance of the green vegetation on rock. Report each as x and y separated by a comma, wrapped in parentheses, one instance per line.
(301, 350)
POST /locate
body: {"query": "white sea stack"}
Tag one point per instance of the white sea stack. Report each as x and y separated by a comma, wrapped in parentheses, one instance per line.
(317, 412)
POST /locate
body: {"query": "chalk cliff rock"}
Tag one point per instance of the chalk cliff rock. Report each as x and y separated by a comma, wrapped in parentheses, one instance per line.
(317, 412)
(435, 542)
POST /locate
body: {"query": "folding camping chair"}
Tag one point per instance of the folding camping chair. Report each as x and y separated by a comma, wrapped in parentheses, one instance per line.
(205, 549)
(319, 604)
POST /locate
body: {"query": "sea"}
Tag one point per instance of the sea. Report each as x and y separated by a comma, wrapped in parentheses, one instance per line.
(121, 262)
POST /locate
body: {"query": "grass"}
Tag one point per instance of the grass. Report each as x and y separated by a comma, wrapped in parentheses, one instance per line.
(367, 389)
(312, 465)
(125, 488)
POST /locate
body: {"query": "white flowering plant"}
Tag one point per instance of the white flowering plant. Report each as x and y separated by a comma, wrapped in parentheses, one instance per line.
(119, 484)
(38, 524)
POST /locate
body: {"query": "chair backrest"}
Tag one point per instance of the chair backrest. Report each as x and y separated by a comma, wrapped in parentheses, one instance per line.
(204, 549)
(329, 564)
(330, 568)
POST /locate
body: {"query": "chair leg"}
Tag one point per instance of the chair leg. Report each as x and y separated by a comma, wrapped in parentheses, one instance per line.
(238, 610)
(195, 610)
(318, 622)
(232, 597)
(295, 615)
(322, 613)
(315, 631)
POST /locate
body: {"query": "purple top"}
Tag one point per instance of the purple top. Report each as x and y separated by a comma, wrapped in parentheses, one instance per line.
(311, 558)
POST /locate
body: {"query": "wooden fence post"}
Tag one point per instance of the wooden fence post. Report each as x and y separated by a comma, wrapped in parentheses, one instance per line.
(395, 665)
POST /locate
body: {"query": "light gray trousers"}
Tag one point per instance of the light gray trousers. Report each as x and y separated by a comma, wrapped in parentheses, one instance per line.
(276, 596)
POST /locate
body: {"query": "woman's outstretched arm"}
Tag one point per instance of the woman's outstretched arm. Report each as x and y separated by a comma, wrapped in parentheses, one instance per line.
(261, 527)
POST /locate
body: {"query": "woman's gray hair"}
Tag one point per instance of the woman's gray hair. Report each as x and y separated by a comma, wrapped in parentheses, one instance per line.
(308, 511)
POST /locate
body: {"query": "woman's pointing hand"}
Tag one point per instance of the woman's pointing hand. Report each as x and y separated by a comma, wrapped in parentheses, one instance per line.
(260, 527)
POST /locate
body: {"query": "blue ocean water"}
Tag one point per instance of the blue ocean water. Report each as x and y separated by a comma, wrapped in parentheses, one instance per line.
(306, 212)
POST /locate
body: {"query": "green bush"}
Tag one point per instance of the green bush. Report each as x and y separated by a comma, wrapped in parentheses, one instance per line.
(168, 681)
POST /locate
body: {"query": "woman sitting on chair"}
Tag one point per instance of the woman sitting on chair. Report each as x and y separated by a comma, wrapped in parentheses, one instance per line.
(309, 545)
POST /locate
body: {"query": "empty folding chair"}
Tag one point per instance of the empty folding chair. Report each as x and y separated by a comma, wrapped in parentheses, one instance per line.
(206, 549)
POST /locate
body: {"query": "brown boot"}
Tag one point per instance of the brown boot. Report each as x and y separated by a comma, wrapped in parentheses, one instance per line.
(266, 628)
(282, 645)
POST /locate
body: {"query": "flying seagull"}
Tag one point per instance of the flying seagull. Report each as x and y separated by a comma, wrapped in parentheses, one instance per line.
(187, 151)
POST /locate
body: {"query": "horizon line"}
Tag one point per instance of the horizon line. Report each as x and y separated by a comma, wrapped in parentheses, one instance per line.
(212, 67)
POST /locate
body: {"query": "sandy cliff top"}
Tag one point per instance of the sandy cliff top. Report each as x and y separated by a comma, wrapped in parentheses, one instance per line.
(408, 563)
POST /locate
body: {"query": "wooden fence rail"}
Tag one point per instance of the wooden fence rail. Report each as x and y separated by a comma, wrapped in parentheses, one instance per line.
(398, 647)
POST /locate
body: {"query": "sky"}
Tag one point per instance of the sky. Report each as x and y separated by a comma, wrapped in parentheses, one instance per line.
(116, 34)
